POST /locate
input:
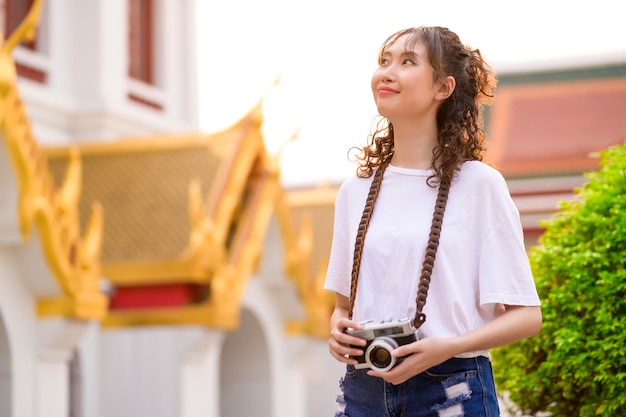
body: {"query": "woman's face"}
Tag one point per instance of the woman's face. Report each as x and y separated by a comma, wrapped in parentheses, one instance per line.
(403, 85)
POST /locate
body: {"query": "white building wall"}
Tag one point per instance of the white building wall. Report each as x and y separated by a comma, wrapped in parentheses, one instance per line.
(246, 379)
(306, 375)
(85, 98)
(52, 388)
(178, 78)
(62, 390)
(140, 369)
(17, 308)
(258, 369)
(36, 352)
(200, 379)
(6, 400)
(88, 382)
(303, 375)
(320, 373)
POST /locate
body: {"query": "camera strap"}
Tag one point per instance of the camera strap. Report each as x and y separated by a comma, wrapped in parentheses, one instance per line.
(431, 247)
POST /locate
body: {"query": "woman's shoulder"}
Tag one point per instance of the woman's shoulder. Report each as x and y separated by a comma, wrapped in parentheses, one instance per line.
(353, 189)
(354, 183)
(480, 171)
(482, 179)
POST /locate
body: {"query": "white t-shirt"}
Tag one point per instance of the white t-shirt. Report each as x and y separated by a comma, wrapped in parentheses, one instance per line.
(481, 262)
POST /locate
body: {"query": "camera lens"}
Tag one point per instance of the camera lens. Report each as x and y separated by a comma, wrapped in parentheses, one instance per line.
(378, 355)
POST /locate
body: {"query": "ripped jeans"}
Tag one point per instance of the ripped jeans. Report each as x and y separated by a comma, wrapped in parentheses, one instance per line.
(459, 387)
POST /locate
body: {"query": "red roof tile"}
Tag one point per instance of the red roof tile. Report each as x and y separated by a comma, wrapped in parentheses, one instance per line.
(544, 129)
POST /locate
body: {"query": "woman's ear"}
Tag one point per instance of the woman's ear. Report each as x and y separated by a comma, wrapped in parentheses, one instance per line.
(446, 87)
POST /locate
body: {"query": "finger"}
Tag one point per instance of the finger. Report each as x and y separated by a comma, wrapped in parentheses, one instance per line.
(346, 323)
(345, 350)
(347, 339)
(343, 358)
(406, 350)
(352, 340)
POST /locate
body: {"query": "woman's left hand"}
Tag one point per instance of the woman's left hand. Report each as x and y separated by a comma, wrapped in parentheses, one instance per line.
(423, 355)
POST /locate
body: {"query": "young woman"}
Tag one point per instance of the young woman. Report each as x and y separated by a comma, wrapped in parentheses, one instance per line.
(463, 282)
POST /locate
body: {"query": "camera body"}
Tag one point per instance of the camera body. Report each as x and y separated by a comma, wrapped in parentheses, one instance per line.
(382, 338)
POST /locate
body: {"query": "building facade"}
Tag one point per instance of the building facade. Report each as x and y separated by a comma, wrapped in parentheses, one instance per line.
(147, 269)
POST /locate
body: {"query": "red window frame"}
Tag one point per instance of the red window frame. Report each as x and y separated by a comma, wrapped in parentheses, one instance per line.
(141, 40)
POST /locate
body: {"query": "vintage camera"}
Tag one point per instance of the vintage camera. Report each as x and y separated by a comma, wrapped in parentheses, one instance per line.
(382, 338)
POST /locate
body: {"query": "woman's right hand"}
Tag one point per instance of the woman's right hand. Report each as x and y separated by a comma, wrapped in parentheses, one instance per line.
(339, 343)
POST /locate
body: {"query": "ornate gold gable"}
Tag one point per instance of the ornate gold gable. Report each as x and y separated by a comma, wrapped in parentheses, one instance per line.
(186, 219)
(306, 219)
(73, 259)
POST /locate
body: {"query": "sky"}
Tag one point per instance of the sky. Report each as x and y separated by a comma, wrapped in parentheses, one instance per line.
(310, 62)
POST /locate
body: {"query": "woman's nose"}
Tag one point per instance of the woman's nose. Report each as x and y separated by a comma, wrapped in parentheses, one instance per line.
(388, 73)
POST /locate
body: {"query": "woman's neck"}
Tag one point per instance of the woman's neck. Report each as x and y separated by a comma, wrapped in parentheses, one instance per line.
(413, 146)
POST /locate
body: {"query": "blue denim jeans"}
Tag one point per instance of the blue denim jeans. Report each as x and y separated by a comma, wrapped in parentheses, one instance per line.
(456, 388)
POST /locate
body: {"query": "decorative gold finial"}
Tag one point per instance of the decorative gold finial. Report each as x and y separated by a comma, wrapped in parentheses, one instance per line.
(26, 31)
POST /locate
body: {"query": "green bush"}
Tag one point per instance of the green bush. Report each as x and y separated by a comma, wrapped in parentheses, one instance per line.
(576, 366)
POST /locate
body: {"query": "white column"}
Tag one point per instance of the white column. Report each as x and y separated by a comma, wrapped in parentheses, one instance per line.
(190, 75)
(17, 308)
(113, 47)
(67, 60)
(52, 387)
(176, 60)
(53, 368)
(200, 377)
(90, 372)
(297, 380)
(286, 391)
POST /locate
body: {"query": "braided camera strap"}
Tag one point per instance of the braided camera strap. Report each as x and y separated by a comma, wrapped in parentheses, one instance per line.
(431, 247)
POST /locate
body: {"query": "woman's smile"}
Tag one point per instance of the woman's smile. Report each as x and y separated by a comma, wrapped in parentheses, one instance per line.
(385, 91)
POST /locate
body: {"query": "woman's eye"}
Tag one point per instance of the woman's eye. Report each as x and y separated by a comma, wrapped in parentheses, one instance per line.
(384, 61)
(408, 62)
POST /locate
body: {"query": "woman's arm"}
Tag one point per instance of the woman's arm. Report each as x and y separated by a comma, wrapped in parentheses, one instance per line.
(339, 342)
(516, 323)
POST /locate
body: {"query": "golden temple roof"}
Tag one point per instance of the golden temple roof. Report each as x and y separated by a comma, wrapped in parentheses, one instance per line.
(143, 186)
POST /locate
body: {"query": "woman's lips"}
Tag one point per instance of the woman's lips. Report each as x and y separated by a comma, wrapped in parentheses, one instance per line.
(385, 91)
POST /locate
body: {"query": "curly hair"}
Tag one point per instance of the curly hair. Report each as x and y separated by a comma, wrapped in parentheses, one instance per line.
(459, 117)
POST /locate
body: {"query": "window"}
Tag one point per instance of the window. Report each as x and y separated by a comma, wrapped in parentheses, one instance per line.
(140, 40)
(143, 88)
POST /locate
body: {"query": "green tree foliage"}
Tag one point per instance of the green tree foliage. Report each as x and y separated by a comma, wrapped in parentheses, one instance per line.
(576, 366)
